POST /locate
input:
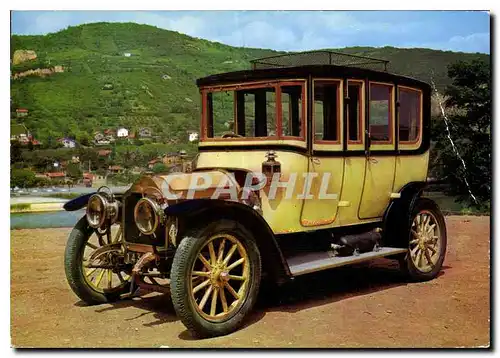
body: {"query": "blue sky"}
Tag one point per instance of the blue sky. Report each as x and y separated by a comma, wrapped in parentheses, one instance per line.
(467, 31)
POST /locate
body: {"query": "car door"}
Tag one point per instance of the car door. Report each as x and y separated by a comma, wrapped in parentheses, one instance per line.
(354, 160)
(323, 184)
(380, 160)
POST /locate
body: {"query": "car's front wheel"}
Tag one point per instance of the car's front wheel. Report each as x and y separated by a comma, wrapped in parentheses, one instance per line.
(215, 278)
(105, 278)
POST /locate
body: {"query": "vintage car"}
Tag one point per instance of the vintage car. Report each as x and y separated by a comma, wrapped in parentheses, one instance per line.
(306, 162)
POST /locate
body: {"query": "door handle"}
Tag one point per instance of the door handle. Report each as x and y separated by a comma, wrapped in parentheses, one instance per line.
(316, 160)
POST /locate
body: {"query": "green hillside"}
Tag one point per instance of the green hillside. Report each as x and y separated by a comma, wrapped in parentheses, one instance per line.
(155, 86)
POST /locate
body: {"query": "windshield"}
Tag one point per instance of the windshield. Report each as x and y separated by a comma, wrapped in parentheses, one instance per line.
(273, 111)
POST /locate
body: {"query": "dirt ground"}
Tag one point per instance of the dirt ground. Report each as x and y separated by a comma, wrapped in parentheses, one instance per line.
(365, 306)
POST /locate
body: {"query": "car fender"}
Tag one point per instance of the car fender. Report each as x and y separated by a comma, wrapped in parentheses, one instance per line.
(396, 220)
(77, 203)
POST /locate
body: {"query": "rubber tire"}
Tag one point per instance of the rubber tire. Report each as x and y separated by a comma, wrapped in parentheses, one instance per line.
(74, 274)
(181, 268)
(407, 266)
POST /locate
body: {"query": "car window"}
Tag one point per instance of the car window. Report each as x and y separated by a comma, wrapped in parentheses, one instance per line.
(242, 113)
(326, 110)
(291, 110)
(354, 112)
(409, 114)
(380, 112)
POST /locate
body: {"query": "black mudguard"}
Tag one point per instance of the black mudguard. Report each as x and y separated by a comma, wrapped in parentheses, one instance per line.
(398, 215)
(77, 203)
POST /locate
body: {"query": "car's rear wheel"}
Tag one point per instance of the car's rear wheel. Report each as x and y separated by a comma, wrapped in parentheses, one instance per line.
(215, 278)
(427, 242)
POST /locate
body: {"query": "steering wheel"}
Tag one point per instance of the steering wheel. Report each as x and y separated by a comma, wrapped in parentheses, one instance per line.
(231, 135)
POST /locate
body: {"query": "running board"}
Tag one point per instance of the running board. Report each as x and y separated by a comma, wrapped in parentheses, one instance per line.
(318, 261)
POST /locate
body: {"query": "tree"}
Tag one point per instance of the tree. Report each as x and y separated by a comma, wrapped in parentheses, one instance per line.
(15, 152)
(73, 171)
(468, 108)
(23, 178)
(160, 168)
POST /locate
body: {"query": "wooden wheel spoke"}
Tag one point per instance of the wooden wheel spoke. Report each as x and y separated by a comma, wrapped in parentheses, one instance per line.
(428, 257)
(414, 233)
(99, 237)
(99, 278)
(201, 273)
(231, 290)
(211, 250)
(221, 250)
(432, 249)
(420, 256)
(110, 278)
(118, 236)
(230, 254)
(234, 264)
(223, 299)
(430, 228)
(205, 297)
(414, 241)
(423, 222)
(205, 262)
(213, 306)
(90, 272)
(91, 245)
(414, 251)
(200, 286)
(238, 278)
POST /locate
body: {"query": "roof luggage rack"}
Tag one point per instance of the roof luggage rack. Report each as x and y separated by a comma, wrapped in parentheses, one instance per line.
(319, 57)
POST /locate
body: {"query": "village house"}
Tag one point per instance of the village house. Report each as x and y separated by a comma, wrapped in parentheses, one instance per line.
(115, 169)
(56, 176)
(104, 141)
(122, 132)
(23, 138)
(99, 180)
(98, 136)
(109, 132)
(101, 139)
(104, 152)
(145, 133)
(88, 178)
(193, 136)
(67, 142)
(171, 159)
(21, 112)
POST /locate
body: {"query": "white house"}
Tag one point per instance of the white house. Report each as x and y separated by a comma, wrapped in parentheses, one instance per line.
(67, 142)
(122, 132)
(193, 136)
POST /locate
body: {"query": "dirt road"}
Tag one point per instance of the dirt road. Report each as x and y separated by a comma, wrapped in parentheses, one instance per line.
(363, 306)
